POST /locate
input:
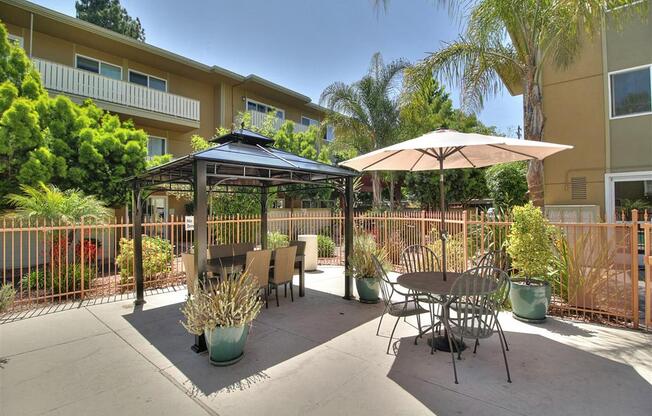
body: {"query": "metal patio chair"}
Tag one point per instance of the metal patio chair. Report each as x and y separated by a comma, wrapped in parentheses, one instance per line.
(498, 259)
(418, 258)
(400, 309)
(470, 311)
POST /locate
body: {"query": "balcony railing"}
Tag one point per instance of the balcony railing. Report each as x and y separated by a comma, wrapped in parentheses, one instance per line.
(258, 120)
(69, 80)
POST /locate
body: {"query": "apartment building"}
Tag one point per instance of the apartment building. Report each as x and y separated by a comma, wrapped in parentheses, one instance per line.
(602, 105)
(167, 95)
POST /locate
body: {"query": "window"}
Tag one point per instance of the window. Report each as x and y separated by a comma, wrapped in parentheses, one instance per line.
(147, 81)
(156, 146)
(264, 108)
(631, 91)
(307, 121)
(15, 39)
(99, 67)
(330, 133)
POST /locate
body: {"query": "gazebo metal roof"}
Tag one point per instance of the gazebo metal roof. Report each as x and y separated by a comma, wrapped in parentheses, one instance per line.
(244, 158)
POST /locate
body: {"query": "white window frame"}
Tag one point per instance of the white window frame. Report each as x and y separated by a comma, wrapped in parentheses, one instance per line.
(311, 119)
(17, 38)
(148, 78)
(165, 144)
(100, 62)
(610, 180)
(275, 109)
(620, 71)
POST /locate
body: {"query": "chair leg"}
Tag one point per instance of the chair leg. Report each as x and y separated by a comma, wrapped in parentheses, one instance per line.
(286, 289)
(266, 296)
(380, 322)
(291, 292)
(475, 348)
(432, 320)
(418, 329)
(502, 334)
(450, 345)
(276, 291)
(392, 334)
(502, 347)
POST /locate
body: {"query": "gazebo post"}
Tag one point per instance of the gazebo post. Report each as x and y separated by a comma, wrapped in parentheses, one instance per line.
(348, 237)
(200, 234)
(263, 217)
(137, 214)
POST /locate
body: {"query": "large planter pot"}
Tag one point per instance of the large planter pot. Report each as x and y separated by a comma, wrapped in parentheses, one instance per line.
(226, 345)
(530, 302)
(368, 289)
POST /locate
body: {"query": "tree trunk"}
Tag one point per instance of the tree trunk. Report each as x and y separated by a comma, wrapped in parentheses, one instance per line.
(375, 187)
(533, 128)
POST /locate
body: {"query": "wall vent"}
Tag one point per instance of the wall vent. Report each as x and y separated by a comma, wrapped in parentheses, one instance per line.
(578, 187)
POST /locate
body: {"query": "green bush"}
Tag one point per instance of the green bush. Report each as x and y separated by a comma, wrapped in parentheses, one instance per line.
(507, 184)
(325, 246)
(157, 257)
(70, 279)
(530, 242)
(277, 240)
(7, 296)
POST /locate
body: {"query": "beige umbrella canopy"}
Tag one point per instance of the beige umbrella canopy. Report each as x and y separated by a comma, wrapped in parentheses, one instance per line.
(450, 149)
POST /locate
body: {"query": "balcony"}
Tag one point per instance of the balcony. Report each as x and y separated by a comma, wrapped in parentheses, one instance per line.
(119, 96)
(258, 120)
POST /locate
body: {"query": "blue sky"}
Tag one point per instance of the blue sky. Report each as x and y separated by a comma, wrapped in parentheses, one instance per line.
(302, 44)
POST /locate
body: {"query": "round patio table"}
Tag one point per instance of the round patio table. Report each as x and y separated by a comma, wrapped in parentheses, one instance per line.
(434, 285)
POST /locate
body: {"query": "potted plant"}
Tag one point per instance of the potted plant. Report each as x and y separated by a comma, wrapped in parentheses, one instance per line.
(363, 269)
(529, 245)
(224, 313)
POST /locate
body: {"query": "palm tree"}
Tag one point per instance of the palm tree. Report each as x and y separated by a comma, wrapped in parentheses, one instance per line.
(365, 113)
(510, 42)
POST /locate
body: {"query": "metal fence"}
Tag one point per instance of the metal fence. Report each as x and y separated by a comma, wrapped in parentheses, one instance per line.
(49, 262)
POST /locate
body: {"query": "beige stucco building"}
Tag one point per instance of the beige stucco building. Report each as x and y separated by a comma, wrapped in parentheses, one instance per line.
(602, 105)
(167, 95)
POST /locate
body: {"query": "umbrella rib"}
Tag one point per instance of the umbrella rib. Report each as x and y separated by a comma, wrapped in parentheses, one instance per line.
(513, 151)
(382, 160)
(419, 159)
(467, 159)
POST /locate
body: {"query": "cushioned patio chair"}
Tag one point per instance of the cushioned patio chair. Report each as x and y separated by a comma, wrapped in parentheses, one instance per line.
(283, 270)
(257, 264)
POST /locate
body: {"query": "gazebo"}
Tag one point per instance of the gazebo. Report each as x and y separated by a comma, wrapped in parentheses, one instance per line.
(240, 159)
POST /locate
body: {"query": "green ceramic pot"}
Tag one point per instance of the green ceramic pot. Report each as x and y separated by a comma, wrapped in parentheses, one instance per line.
(530, 302)
(226, 345)
(368, 289)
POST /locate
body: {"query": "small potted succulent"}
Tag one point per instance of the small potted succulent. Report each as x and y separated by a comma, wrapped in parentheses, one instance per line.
(363, 269)
(529, 245)
(224, 313)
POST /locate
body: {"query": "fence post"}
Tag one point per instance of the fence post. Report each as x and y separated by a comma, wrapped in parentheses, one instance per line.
(465, 240)
(237, 227)
(648, 275)
(81, 255)
(290, 224)
(423, 227)
(634, 272)
(481, 231)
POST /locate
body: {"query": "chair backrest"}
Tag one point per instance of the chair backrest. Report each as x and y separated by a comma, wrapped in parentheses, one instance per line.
(284, 264)
(495, 258)
(219, 250)
(473, 298)
(386, 288)
(257, 264)
(188, 260)
(418, 258)
(300, 245)
(240, 249)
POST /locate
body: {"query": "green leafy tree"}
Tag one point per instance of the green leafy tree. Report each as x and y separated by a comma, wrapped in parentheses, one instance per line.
(511, 42)
(507, 184)
(110, 15)
(365, 113)
(53, 140)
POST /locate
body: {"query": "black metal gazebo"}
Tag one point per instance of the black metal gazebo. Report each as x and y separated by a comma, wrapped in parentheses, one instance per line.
(240, 159)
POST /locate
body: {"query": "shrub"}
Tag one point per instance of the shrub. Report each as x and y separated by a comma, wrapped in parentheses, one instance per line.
(70, 279)
(325, 246)
(230, 303)
(454, 252)
(530, 242)
(277, 240)
(7, 296)
(157, 257)
(507, 183)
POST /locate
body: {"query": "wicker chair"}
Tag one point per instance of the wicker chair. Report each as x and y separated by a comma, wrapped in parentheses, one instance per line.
(401, 309)
(471, 310)
(301, 249)
(257, 264)
(283, 272)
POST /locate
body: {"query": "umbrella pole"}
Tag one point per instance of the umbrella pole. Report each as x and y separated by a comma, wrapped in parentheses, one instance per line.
(442, 207)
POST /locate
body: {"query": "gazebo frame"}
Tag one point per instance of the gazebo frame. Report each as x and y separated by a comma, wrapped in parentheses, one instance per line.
(242, 159)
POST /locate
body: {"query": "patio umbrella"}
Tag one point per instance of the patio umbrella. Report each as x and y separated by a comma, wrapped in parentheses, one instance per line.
(449, 149)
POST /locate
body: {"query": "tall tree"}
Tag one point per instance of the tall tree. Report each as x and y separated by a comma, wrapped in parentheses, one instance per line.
(365, 113)
(511, 41)
(110, 15)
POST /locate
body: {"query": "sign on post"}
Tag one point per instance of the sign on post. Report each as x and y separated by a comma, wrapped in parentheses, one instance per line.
(190, 223)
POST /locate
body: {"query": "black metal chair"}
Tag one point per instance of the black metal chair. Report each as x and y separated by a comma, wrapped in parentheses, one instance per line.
(400, 309)
(471, 310)
(498, 259)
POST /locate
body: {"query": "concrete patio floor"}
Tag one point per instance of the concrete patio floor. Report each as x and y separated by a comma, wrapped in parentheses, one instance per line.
(318, 355)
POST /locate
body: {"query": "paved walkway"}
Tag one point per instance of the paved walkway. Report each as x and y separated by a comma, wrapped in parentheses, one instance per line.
(318, 355)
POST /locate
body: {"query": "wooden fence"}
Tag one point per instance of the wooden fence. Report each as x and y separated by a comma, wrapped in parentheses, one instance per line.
(49, 262)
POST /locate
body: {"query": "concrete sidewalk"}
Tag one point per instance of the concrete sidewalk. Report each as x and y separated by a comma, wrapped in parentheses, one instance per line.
(318, 355)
